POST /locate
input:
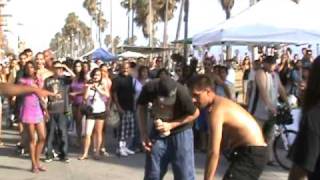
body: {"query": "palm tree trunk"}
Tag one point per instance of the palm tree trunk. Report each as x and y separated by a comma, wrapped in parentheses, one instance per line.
(165, 26)
(150, 17)
(132, 23)
(112, 46)
(229, 49)
(71, 46)
(129, 24)
(99, 24)
(151, 24)
(180, 20)
(186, 22)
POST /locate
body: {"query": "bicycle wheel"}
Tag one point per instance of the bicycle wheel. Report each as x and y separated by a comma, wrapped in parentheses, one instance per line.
(281, 146)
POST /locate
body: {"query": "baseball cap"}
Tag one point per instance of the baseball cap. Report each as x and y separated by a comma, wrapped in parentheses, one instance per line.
(167, 93)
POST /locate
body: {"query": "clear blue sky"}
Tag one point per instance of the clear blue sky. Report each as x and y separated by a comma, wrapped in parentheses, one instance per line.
(41, 19)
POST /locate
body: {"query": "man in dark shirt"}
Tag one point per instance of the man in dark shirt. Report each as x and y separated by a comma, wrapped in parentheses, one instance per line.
(23, 59)
(171, 138)
(307, 58)
(123, 97)
(57, 107)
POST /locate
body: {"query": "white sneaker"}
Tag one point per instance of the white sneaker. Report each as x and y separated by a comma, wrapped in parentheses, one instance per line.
(128, 151)
(122, 152)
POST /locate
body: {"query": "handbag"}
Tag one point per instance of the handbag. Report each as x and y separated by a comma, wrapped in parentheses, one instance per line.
(87, 109)
(114, 118)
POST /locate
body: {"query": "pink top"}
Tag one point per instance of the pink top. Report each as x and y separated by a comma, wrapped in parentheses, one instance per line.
(31, 111)
(77, 86)
(107, 83)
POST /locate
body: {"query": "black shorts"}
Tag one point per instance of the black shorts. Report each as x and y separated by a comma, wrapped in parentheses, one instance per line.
(247, 163)
(99, 116)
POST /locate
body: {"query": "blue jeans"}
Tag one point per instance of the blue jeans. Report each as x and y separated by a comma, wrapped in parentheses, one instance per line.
(176, 149)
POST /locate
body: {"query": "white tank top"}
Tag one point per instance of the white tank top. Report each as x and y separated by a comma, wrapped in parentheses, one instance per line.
(96, 100)
(259, 108)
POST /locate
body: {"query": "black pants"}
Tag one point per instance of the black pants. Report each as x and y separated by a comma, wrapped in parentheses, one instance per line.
(247, 163)
(58, 121)
(315, 175)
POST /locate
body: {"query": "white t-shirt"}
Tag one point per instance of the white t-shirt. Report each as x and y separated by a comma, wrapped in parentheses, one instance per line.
(231, 77)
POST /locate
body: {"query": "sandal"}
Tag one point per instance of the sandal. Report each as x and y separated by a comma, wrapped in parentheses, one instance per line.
(97, 157)
(35, 170)
(83, 158)
(42, 168)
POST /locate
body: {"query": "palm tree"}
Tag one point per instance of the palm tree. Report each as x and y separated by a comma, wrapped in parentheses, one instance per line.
(131, 40)
(108, 40)
(227, 5)
(180, 20)
(116, 42)
(70, 29)
(90, 6)
(142, 12)
(62, 42)
(97, 15)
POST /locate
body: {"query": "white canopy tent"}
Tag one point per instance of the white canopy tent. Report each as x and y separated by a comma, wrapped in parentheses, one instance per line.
(130, 54)
(267, 22)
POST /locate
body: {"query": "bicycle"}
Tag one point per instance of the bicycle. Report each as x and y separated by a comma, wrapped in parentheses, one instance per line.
(282, 144)
(284, 137)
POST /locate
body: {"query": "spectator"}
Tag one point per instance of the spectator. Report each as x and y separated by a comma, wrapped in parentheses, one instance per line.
(58, 107)
(246, 68)
(305, 151)
(264, 99)
(106, 81)
(94, 97)
(231, 72)
(32, 116)
(123, 93)
(76, 94)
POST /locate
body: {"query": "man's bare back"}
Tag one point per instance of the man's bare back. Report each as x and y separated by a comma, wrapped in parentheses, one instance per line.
(239, 127)
(232, 127)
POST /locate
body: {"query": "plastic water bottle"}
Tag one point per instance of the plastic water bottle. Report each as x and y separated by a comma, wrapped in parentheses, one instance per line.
(164, 134)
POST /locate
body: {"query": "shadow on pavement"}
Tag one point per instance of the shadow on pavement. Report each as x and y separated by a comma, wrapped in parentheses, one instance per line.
(12, 168)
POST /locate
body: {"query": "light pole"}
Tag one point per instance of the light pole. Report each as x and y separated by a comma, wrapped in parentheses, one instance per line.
(186, 22)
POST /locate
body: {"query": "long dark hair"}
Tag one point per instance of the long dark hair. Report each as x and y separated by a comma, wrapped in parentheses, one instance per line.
(141, 69)
(25, 74)
(93, 72)
(81, 74)
(312, 93)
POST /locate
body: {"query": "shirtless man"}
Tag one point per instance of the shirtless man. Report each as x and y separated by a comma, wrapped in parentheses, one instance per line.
(230, 127)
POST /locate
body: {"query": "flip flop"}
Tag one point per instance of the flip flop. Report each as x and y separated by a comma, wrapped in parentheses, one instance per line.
(42, 168)
(83, 158)
(35, 170)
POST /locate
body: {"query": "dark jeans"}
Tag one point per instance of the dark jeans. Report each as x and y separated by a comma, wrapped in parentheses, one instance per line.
(176, 149)
(58, 121)
(247, 163)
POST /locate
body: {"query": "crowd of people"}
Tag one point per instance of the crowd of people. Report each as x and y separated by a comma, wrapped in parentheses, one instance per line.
(157, 110)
